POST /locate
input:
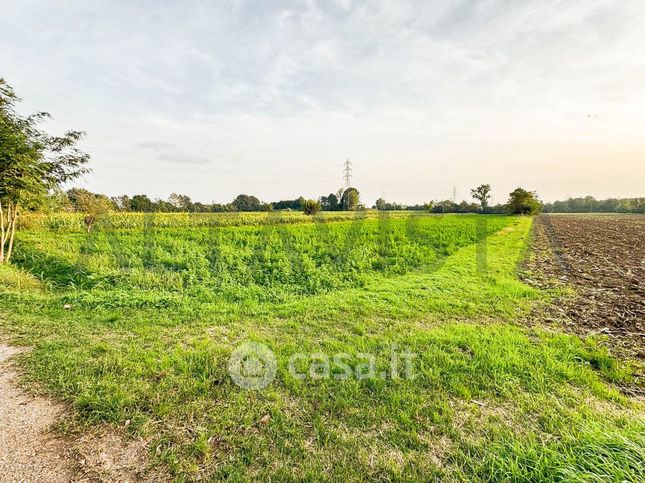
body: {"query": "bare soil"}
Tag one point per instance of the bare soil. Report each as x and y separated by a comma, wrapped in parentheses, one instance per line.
(31, 452)
(602, 258)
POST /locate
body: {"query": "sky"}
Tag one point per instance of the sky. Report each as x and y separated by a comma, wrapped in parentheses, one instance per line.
(216, 98)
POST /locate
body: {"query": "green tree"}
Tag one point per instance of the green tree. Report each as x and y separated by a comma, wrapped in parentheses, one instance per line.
(141, 203)
(350, 199)
(310, 207)
(56, 200)
(523, 202)
(246, 203)
(482, 194)
(181, 202)
(122, 203)
(288, 204)
(445, 206)
(330, 203)
(92, 204)
(32, 163)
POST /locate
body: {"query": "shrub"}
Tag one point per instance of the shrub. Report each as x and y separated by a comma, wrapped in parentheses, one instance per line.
(310, 207)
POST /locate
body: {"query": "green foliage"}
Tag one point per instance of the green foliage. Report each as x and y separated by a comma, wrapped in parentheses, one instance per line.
(383, 205)
(180, 202)
(589, 204)
(271, 261)
(247, 203)
(288, 204)
(522, 202)
(85, 201)
(90, 204)
(56, 201)
(141, 203)
(32, 161)
(310, 207)
(330, 202)
(482, 194)
(350, 199)
(74, 221)
(449, 206)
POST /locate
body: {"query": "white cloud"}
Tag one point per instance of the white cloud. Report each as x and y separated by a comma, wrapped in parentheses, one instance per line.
(271, 97)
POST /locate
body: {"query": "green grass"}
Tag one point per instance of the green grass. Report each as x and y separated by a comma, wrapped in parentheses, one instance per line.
(156, 314)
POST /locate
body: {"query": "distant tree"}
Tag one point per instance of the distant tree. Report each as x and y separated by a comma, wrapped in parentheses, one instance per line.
(465, 207)
(180, 202)
(417, 207)
(246, 203)
(141, 203)
(198, 207)
(350, 200)
(163, 206)
(498, 209)
(56, 200)
(330, 202)
(482, 194)
(310, 207)
(219, 208)
(288, 204)
(91, 204)
(445, 206)
(428, 206)
(266, 207)
(32, 162)
(122, 203)
(383, 205)
(589, 204)
(523, 202)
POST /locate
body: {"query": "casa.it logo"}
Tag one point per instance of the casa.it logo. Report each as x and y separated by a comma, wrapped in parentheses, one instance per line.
(252, 366)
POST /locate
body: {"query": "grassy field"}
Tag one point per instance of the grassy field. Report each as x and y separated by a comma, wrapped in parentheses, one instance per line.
(135, 323)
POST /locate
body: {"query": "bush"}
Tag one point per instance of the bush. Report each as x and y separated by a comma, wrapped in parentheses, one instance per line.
(310, 207)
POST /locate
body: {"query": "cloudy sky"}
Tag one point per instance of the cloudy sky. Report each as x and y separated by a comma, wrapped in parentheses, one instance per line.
(215, 98)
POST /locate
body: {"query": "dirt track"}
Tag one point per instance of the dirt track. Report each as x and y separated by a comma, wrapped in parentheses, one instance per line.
(602, 257)
(31, 452)
(28, 451)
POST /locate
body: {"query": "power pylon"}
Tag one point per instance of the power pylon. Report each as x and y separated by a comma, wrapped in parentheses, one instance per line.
(347, 173)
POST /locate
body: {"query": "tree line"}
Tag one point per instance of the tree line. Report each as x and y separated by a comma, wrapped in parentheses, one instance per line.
(83, 200)
(79, 199)
(589, 204)
(520, 201)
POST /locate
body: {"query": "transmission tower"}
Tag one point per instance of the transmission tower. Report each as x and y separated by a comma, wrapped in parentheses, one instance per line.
(454, 194)
(347, 173)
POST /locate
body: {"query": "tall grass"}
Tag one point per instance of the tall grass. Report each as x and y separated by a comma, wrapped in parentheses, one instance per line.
(266, 261)
(74, 221)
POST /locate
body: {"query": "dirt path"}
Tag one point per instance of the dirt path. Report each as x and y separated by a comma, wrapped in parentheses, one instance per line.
(28, 452)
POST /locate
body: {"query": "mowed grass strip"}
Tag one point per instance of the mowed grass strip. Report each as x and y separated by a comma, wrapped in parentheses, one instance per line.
(489, 400)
